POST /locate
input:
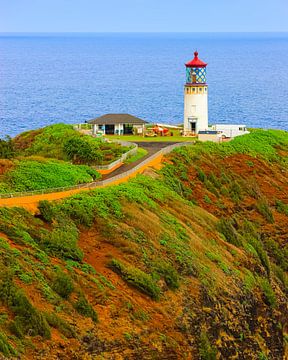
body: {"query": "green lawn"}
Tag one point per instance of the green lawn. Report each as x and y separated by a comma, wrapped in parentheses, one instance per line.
(176, 137)
(140, 153)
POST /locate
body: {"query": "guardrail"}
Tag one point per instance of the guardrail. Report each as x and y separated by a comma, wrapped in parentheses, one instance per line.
(98, 183)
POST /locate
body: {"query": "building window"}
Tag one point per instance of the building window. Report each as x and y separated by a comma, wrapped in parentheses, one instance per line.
(187, 90)
(193, 89)
(200, 89)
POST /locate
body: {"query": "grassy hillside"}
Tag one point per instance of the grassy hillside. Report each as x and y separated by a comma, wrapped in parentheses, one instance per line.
(51, 157)
(186, 263)
(62, 142)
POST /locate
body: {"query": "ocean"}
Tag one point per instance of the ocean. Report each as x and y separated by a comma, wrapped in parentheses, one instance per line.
(71, 78)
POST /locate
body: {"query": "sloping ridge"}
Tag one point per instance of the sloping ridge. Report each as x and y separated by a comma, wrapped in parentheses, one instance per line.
(30, 200)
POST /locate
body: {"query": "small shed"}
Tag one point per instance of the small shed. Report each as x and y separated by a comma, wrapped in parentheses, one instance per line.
(118, 124)
(209, 135)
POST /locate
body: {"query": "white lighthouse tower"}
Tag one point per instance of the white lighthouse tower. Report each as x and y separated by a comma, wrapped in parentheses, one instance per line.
(195, 97)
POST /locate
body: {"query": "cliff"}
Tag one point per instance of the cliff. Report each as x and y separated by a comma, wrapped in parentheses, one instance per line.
(189, 262)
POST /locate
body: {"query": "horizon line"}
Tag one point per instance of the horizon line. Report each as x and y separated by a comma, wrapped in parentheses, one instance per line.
(146, 32)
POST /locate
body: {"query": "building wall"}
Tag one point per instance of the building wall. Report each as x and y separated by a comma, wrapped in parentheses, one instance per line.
(196, 107)
(209, 137)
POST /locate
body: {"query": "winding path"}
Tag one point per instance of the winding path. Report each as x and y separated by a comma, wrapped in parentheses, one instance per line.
(156, 151)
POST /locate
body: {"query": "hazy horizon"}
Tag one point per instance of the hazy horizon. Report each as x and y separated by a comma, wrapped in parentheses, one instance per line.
(143, 16)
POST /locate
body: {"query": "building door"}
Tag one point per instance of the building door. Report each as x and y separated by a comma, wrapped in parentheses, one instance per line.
(109, 129)
(193, 127)
(128, 129)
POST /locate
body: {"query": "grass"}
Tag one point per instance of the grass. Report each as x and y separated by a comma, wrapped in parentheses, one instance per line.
(139, 155)
(137, 278)
(32, 174)
(84, 308)
(62, 284)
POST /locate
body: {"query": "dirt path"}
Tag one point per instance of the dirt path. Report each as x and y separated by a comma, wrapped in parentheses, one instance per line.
(31, 202)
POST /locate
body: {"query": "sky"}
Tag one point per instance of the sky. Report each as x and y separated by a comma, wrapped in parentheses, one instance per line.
(143, 15)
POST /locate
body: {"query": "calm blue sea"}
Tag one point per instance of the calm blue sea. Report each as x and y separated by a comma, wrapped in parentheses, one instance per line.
(46, 79)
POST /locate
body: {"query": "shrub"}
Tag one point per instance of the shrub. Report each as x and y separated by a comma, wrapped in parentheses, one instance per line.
(84, 308)
(281, 207)
(46, 210)
(235, 191)
(268, 292)
(281, 275)
(201, 175)
(264, 209)
(137, 278)
(60, 324)
(62, 241)
(225, 226)
(206, 350)
(27, 319)
(5, 348)
(169, 274)
(32, 174)
(62, 284)
(6, 148)
(280, 254)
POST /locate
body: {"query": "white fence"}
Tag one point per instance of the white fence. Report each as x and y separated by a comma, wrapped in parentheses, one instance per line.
(124, 156)
(99, 183)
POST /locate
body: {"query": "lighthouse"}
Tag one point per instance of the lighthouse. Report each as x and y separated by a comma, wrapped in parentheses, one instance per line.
(195, 97)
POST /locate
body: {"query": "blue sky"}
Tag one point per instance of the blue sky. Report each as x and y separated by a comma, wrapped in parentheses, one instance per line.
(143, 15)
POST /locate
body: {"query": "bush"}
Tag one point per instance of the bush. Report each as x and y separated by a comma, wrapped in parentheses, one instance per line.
(84, 308)
(225, 226)
(28, 320)
(280, 254)
(281, 207)
(5, 348)
(206, 350)
(62, 241)
(169, 274)
(46, 210)
(39, 174)
(7, 150)
(60, 324)
(268, 292)
(137, 278)
(264, 209)
(62, 284)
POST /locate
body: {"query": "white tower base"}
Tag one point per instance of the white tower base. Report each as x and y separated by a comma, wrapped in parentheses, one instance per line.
(195, 109)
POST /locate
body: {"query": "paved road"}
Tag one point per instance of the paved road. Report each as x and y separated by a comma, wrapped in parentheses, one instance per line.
(151, 147)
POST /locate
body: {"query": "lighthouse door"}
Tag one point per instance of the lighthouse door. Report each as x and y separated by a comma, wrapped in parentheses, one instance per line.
(193, 127)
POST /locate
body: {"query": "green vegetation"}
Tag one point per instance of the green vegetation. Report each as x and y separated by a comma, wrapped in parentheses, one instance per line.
(84, 308)
(268, 292)
(6, 148)
(30, 174)
(27, 318)
(206, 350)
(62, 284)
(224, 264)
(56, 322)
(281, 207)
(139, 155)
(5, 348)
(136, 277)
(53, 157)
(61, 141)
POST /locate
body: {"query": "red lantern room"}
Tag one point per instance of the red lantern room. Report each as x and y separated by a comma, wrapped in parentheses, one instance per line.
(196, 71)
